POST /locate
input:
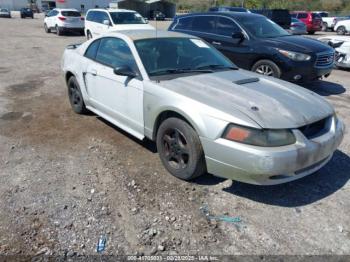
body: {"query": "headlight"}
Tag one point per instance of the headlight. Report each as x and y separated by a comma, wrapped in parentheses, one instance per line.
(259, 137)
(294, 55)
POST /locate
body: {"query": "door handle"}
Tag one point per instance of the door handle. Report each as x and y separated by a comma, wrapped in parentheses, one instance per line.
(216, 43)
(93, 72)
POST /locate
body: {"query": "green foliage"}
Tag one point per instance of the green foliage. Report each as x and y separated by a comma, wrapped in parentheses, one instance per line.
(333, 6)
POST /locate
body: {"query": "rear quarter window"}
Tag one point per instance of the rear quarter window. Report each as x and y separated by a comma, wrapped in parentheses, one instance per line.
(184, 23)
(91, 51)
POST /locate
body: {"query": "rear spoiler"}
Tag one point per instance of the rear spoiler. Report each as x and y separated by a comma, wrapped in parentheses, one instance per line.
(73, 46)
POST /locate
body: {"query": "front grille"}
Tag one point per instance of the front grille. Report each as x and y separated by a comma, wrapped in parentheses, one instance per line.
(316, 129)
(325, 59)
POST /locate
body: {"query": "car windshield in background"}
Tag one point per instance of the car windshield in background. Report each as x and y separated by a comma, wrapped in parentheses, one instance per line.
(186, 56)
(127, 18)
(71, 13)
(4, 10)
(262, 27)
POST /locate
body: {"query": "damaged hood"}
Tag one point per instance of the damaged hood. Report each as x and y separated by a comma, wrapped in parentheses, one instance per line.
(270, 102)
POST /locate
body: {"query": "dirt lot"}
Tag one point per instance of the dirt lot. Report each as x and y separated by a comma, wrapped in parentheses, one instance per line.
(68, 179)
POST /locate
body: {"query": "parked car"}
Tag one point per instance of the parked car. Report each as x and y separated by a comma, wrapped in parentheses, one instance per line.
(228, 9)
(341, 44)
(297, 27)
(99, 21)
(254, 42)
(342, 27)
(64, 20)
(26, 12)
(312, 20)
(4, 12)
(279, 16)
(322, 13)
(330, 22)
(157, 15)
(204, 113)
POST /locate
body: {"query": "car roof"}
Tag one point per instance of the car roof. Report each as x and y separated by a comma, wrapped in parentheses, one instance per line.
(112, 10)
(66, 9)
(148, 34)
(225, 13)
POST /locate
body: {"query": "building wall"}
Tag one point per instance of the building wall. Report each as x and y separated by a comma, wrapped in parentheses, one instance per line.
(13, 5)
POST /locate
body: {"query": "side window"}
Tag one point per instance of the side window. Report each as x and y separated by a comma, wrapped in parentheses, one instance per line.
(90, 16)
(302, 15)
(184, 23)
(226, 27)
(294, 15)
(205, 24)
(92, 50)
(104, 16)
(115, 52)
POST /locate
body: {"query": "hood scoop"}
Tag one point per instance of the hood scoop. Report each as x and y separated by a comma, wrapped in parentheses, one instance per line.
(247, 81)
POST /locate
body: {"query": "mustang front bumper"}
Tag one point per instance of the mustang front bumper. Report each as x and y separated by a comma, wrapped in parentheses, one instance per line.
(272, 165)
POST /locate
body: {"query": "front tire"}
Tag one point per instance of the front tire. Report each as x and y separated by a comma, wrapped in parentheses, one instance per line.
(75, 96)
(88, 35)
(267, 68)
(47, 30)
(341, 30)
(180, 149)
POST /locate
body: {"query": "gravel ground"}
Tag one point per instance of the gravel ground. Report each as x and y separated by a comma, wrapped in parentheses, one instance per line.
(68, 179)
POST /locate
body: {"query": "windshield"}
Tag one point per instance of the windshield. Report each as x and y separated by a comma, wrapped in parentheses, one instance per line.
(185, 55)
(261, 27)
(71, 13)
(3, 10)
(127, 18)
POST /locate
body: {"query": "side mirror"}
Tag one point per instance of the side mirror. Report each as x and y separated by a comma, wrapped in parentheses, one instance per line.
(106, 22)
(238, 35)
(124, 71)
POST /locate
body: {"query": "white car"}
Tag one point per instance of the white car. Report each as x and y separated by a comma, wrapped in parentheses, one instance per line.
(64, 20)
(341, 44)
(99, 21)
(342, 27)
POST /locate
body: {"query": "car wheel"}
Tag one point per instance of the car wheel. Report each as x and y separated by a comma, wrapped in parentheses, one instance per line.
(341, 30)
(311, 32)
(180, 149)
(324, 27)
(47, 30)
(75, 97)
(58, 30)
(88, 35)
(267, 68)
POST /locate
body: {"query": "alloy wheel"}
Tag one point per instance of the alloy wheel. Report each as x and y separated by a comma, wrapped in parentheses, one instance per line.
(74, 95)
(265, 70)
(176, 149)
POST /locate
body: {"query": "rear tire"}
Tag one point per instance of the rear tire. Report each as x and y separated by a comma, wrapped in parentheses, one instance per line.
(47, 30)
(311, 32)
(75, 96)
(341, 30)
(58, 31)
(324, 27)
(267, 68)
(180, 149)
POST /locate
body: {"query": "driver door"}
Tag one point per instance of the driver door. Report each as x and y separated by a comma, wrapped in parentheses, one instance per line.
(117, 97)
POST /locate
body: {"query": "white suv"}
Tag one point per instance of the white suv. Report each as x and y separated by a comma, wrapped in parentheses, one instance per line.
(99, 21)
(63, 20)
(342, 27)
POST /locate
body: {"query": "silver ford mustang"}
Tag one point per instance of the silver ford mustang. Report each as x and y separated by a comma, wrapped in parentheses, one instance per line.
(204, 113)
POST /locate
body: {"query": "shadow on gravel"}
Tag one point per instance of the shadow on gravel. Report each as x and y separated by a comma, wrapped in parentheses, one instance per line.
(146, 143)
(302, 192)
(325, 88)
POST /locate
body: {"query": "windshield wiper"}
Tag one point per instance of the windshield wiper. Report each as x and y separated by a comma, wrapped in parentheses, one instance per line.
(217, 66)
(180, 71)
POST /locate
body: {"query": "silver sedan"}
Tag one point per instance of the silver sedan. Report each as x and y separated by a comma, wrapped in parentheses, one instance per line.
(204, 113)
